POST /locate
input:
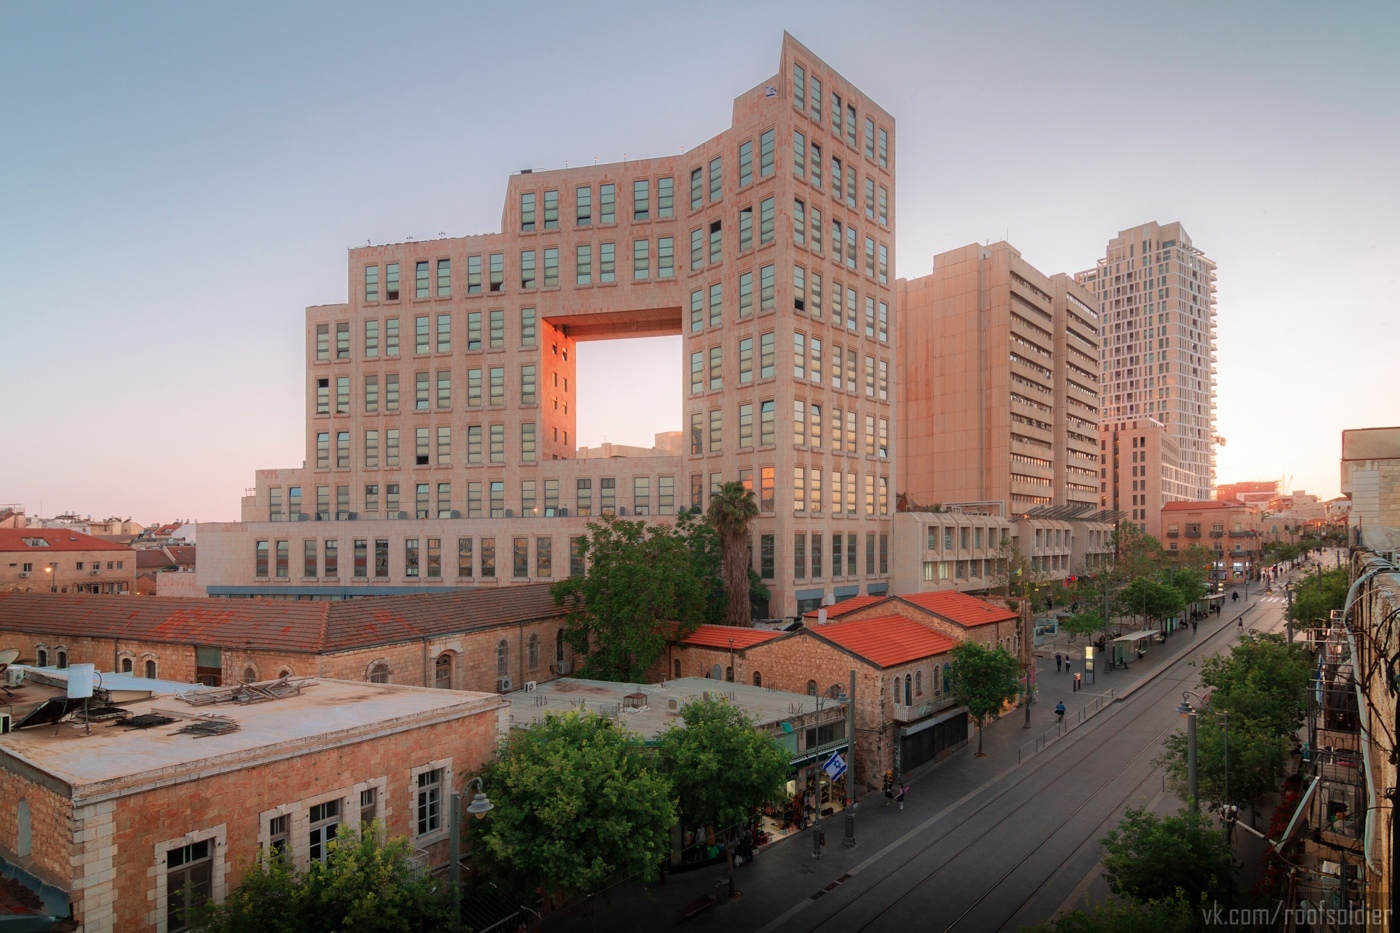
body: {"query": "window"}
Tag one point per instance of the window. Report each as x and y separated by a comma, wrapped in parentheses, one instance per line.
(745, 360)
(503, 658)
(442, 672)
(799, 222)
(884, 149)
(816, 162)
(527, 268)
(371, 339)
(884, 207)
(444, 333)
(765, 221)
(716, 179)
(716, 252)
(473, 275)
(342, 341)
(745, 426)
(745, 295)
(641, 200)
(716, 431)
(745, 162)
(428, 802)
(527, 385)
(870, 198)
(520, 557)
(391, 281)
(371, 283)
(767, 300)
(551, 268)
(444, 388)
(765, 154)
(607, 263)
(583, 206)
(665, 197)
(420, 279)
(323, 341)
(544, 567)
(869, 138)
(641, 260)
(765, 355)
(464, 557)
(745, 229)
(528, 329)
(497, 335)
(766, 557)
(716, 371)
(666, 257)
(607, 204)
(189, 881)
(799, 154)
(697, 189)
(325, 821)
(527, 211)
(498, 272)
(551, 210)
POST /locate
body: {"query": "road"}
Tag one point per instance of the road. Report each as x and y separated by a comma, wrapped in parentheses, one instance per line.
(983, 844)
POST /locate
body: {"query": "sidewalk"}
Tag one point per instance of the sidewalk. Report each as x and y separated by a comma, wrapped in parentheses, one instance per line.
(784, 874)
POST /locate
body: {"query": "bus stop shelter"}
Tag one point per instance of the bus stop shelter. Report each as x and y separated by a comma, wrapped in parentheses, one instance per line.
(1129, 647)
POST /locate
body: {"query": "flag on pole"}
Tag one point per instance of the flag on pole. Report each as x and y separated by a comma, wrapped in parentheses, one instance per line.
(835, 766)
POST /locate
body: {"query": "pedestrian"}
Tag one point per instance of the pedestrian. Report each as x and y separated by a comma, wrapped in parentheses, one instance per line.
(1193, 626)
(1059, 660)
(1240, 623)
(889, 787)
(1078, 683)
(903, 789)
(1068, 663)
(1060, 710)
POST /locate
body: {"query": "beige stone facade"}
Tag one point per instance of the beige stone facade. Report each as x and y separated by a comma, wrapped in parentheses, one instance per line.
(1230, 529)
(57, 560)
(441, 398)
(1156, 301)
(120, 820)
(999, 384)
(1371, 479)
(1141, 471)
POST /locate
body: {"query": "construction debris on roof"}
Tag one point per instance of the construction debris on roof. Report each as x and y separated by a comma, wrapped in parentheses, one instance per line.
(202, 728)
(249, 693)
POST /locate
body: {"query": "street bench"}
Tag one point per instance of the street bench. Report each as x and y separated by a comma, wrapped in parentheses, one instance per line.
(698, 906)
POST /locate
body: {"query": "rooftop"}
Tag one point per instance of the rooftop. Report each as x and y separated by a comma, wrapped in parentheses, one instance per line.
(47, 540)
(844, 606)
(112, 760)
(651, 716)
(887, 640)
(276, 625)
(967, 611)
(728, 636)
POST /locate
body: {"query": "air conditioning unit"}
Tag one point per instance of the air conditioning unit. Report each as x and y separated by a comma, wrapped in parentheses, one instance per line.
(454, 514)
(24, 573)
(510, 513)
(503, 685)
(96, 572)
(565, 667)
(530, 685)
(402, 516)
(14, 677)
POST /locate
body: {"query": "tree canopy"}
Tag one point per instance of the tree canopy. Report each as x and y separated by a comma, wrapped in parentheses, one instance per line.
(732, 509)
(1316, 595)
(1083, 623)
(1152, 858)
(363, 885)
(984, 680)
(640, 577)
(1263, 678)
(579, 803)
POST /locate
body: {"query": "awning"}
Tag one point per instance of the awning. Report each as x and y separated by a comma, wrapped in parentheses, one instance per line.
(1135, 636)
(812, 754)
(932, 721)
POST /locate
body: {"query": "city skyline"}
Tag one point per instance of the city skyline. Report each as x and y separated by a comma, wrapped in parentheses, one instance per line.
(181, 188)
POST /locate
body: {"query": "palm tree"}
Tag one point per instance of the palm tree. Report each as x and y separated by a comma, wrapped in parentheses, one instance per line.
(731, 510)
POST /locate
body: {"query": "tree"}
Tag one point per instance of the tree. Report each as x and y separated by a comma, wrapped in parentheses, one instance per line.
(984, 680)
(363, 885)
(579, 803)
(1258, 759)
(1316, 595)
(640, 578)
(1150, 598)
(1190, 583)
(1263, 679)
(1082, 623)
(1197, 559)
(732, 508)
(721, 768)
(1014, 574)
(1173, 915)
(1182, 857)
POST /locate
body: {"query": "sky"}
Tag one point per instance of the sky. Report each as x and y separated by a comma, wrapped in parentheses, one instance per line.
(179, 181)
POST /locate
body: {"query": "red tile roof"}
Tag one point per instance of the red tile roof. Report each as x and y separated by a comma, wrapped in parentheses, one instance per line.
(967, 611)
(275, 625)
(845, 606)
(147, 558)
(720, 636)
(59, 539)
(886, 641)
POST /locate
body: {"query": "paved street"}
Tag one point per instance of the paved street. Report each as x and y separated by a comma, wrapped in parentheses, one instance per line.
(983, 844)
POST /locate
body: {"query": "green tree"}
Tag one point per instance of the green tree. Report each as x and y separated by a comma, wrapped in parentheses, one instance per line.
(1084, 622)
(732, 509)
(1190, 583)
(984, 680)
(1151, 858)
(721, 767)
(1197, 559)
(1013, 572)
(1174, 915)
(1150, 598)
(1316, 595)
(579, 803)
(640, 577)
(1262, 679)
(1258, 758)
(362, 885)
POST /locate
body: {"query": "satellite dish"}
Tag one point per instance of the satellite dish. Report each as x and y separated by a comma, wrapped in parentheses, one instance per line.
(8, 655)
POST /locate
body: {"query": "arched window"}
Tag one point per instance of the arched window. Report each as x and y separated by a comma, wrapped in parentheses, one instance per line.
(908, 682)
(946, 669)
(26, 836)
(442, 671)
(937, 686)
(676, 669)
(126, 665)
(898, 684)
(379, 672)
(502, 658)
(729, 674)
(757, 679)
(811, 688)
(284, 672)
(151, 670)
(559, 645)
(250, 674)
(532, 647)
(918, 683)
(43, 658)
(834, 691)
(62, 660)
(716, 672)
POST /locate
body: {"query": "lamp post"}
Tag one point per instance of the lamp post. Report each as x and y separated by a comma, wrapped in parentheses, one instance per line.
(52, 571)
(478, 808)
(1192, 774)
(1288, 612)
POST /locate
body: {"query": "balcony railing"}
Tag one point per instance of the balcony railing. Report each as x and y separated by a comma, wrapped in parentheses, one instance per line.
(907, 714)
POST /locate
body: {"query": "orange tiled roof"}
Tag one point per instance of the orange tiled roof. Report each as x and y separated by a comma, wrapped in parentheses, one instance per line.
(720, 636)
(273, 625)
(59, 539)
(845, 606)
(967, 611)
(887, 640)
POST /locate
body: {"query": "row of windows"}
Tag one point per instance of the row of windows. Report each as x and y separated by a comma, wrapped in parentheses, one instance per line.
(431, 446)
(807, 492)
(433, 391)
(431, 334)
(429, 557)
(28, 567)
(807, 90)
(813, 545)
(843, 436)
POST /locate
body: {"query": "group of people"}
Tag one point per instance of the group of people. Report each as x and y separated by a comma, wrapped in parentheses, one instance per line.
(1065, 662)
(894, 794)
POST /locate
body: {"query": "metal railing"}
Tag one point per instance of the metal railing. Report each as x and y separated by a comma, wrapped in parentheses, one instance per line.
(1071, 721)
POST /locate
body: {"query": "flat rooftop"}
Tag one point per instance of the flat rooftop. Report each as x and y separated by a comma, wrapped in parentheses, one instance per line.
(767, 707)
(111, 759)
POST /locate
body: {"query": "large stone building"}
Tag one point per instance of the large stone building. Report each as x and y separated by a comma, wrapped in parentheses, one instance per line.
(123, 828)
(60, 560)
(441, 397)
(1156, 300)
(1229, 529)
(1141, 469)
(1371, 478)
(998, 385)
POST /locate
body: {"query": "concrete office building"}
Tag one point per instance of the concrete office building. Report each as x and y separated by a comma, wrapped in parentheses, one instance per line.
(1156, 300)
(999, 386)
(441, 397)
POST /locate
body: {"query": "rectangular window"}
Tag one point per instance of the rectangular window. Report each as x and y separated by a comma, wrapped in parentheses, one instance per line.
(474, 388)
(869, 138)
(816, 163)
(527, 211)
(870, 198)
(498, 385)
(498, 272)
(697, 311)
(283, 559)
(371, 449)
(498, 330)
(520, 557)
(323, 450)
(444, 333)
(527, 268)
(665, 203)
(473, 500)
(428, 802)
(766, 557)
(883, 322)
(544, 557)
(551, 210)
(716, 368)
(189, 880)
(607, 263)
(420, 279)
(870, 257)
(527, 385)
(361, 557)
(745, 229)
(260, 559)
(444, 448)
(799, 422)
(583, 497)
(666, 257)
(799, 222)
(765, 423)
(814, 298)
(641, 260)
(745, 426)
(799, 489)
(716, 179)
(765, 154)
(836, 179)
(836, 246)
(342, 341)
(371, 283)
(884, 208)
(767, 289)
(641, 200)
(850, 248)
(884, 154)
(583, 206)
(697, 432)
(717, 304)
(583, 264)
(323, 342)
(473, 330)
(420, 391)
(799, 154)
(641, 495)
(697, 249)
(851, 125)
(488, 557)
(607, 496)
(497, 491)
(576, 556)
(381, 557)
(551, 268)
(816, 358)
(391, 447)
(716, 253)
(765, 221)
(607, 204)
(391, 281)
(473, 275)
(765, 355)
(799, 356)
(434, 565)
(816, 553)
(837, 564)
(420, 334)
(498, 444)
(745, 360)
(745, 295)
(697, 189)
(884, 274)
(473, 443)
(371, 339)
(799, 288)
(465, 564)
(527, 442)
(323, 396)
(342, 450)
(716, 431)
(527, 327)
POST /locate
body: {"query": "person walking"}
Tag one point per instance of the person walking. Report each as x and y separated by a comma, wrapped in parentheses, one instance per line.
(1068, 663)
(1060, 710)
(1059, 660)
(1193, 626)
(903, 789)
(889, 787)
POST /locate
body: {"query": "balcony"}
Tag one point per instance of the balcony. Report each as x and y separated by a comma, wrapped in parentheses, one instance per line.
(1242, 533)
(1173, 534)
(907, 714)
(1193, 532)
(1217, 534)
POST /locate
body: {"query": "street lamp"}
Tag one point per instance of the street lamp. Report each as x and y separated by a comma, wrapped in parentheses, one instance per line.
(1192, 774)
(1288, 613)
(52, 571)
(479, 807)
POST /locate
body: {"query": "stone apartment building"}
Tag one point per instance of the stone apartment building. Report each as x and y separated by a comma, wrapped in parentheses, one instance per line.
(488, 640)
(441, 396)
(124, 827)
(59, 560)
(1230, 529)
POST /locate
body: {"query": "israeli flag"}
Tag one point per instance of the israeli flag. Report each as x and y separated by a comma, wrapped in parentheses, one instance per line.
(835, 766)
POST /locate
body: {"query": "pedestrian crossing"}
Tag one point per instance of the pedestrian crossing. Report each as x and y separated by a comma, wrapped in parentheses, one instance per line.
(1272, 599)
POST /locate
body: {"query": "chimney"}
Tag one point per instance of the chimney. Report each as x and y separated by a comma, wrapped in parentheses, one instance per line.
(821, 616)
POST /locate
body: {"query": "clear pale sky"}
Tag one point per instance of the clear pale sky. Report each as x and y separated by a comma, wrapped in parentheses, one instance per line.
(178, 181)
